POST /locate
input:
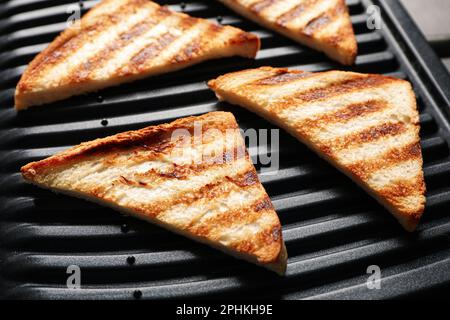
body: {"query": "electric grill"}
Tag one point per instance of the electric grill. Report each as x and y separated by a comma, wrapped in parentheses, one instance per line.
(333, 230)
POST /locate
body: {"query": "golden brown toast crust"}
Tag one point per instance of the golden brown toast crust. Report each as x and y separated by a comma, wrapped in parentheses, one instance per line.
(121, 41)
(220, 201)
(323, 25)
(364, 124)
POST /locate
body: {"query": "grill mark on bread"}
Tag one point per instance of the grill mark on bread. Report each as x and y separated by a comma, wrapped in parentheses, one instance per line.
(155, 176)
(152, 50)
(356, 83)
(248, 179)
(293, 13)
(191, 50)
(209, 191)
(276, 233)
(236, 216)
(188, 53)
(356, 139)
(264, 238)
(365, 169)
(56, 53)
(220, 224)
(316, 23)
(403, 188)
(86, 68)
(263, 204)
(109, 151)
(126, 181)
(259, 6)
(184, 171)
(284, 76)
(144, 153)
(76, 40)
(158, 142)
(322, 20)
(262, 73)
(378, 132)
(244, 37)
(97, 62)
(213, 30)
(259, 242)
(343, 115)
(355, 110)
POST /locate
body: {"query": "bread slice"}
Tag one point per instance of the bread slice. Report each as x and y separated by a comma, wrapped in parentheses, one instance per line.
(192, 176)
(366, 125)
(323, 25)
(121, 41)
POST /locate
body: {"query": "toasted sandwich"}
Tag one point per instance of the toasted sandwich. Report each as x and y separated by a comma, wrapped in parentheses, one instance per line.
(323, 25)
(366, 125)
(192, 176)
(121, 41)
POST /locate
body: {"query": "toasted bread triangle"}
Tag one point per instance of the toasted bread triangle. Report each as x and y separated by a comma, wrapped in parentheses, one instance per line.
(192, 176)
(364, 124)
(120, 41)
(323, 25)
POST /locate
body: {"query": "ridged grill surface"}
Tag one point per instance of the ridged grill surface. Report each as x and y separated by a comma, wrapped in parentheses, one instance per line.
(333, 230)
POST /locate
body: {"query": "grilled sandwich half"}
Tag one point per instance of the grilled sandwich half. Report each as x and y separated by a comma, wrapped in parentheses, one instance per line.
(121, 41)
(323, 25)
(364, 124)
(192, 176)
